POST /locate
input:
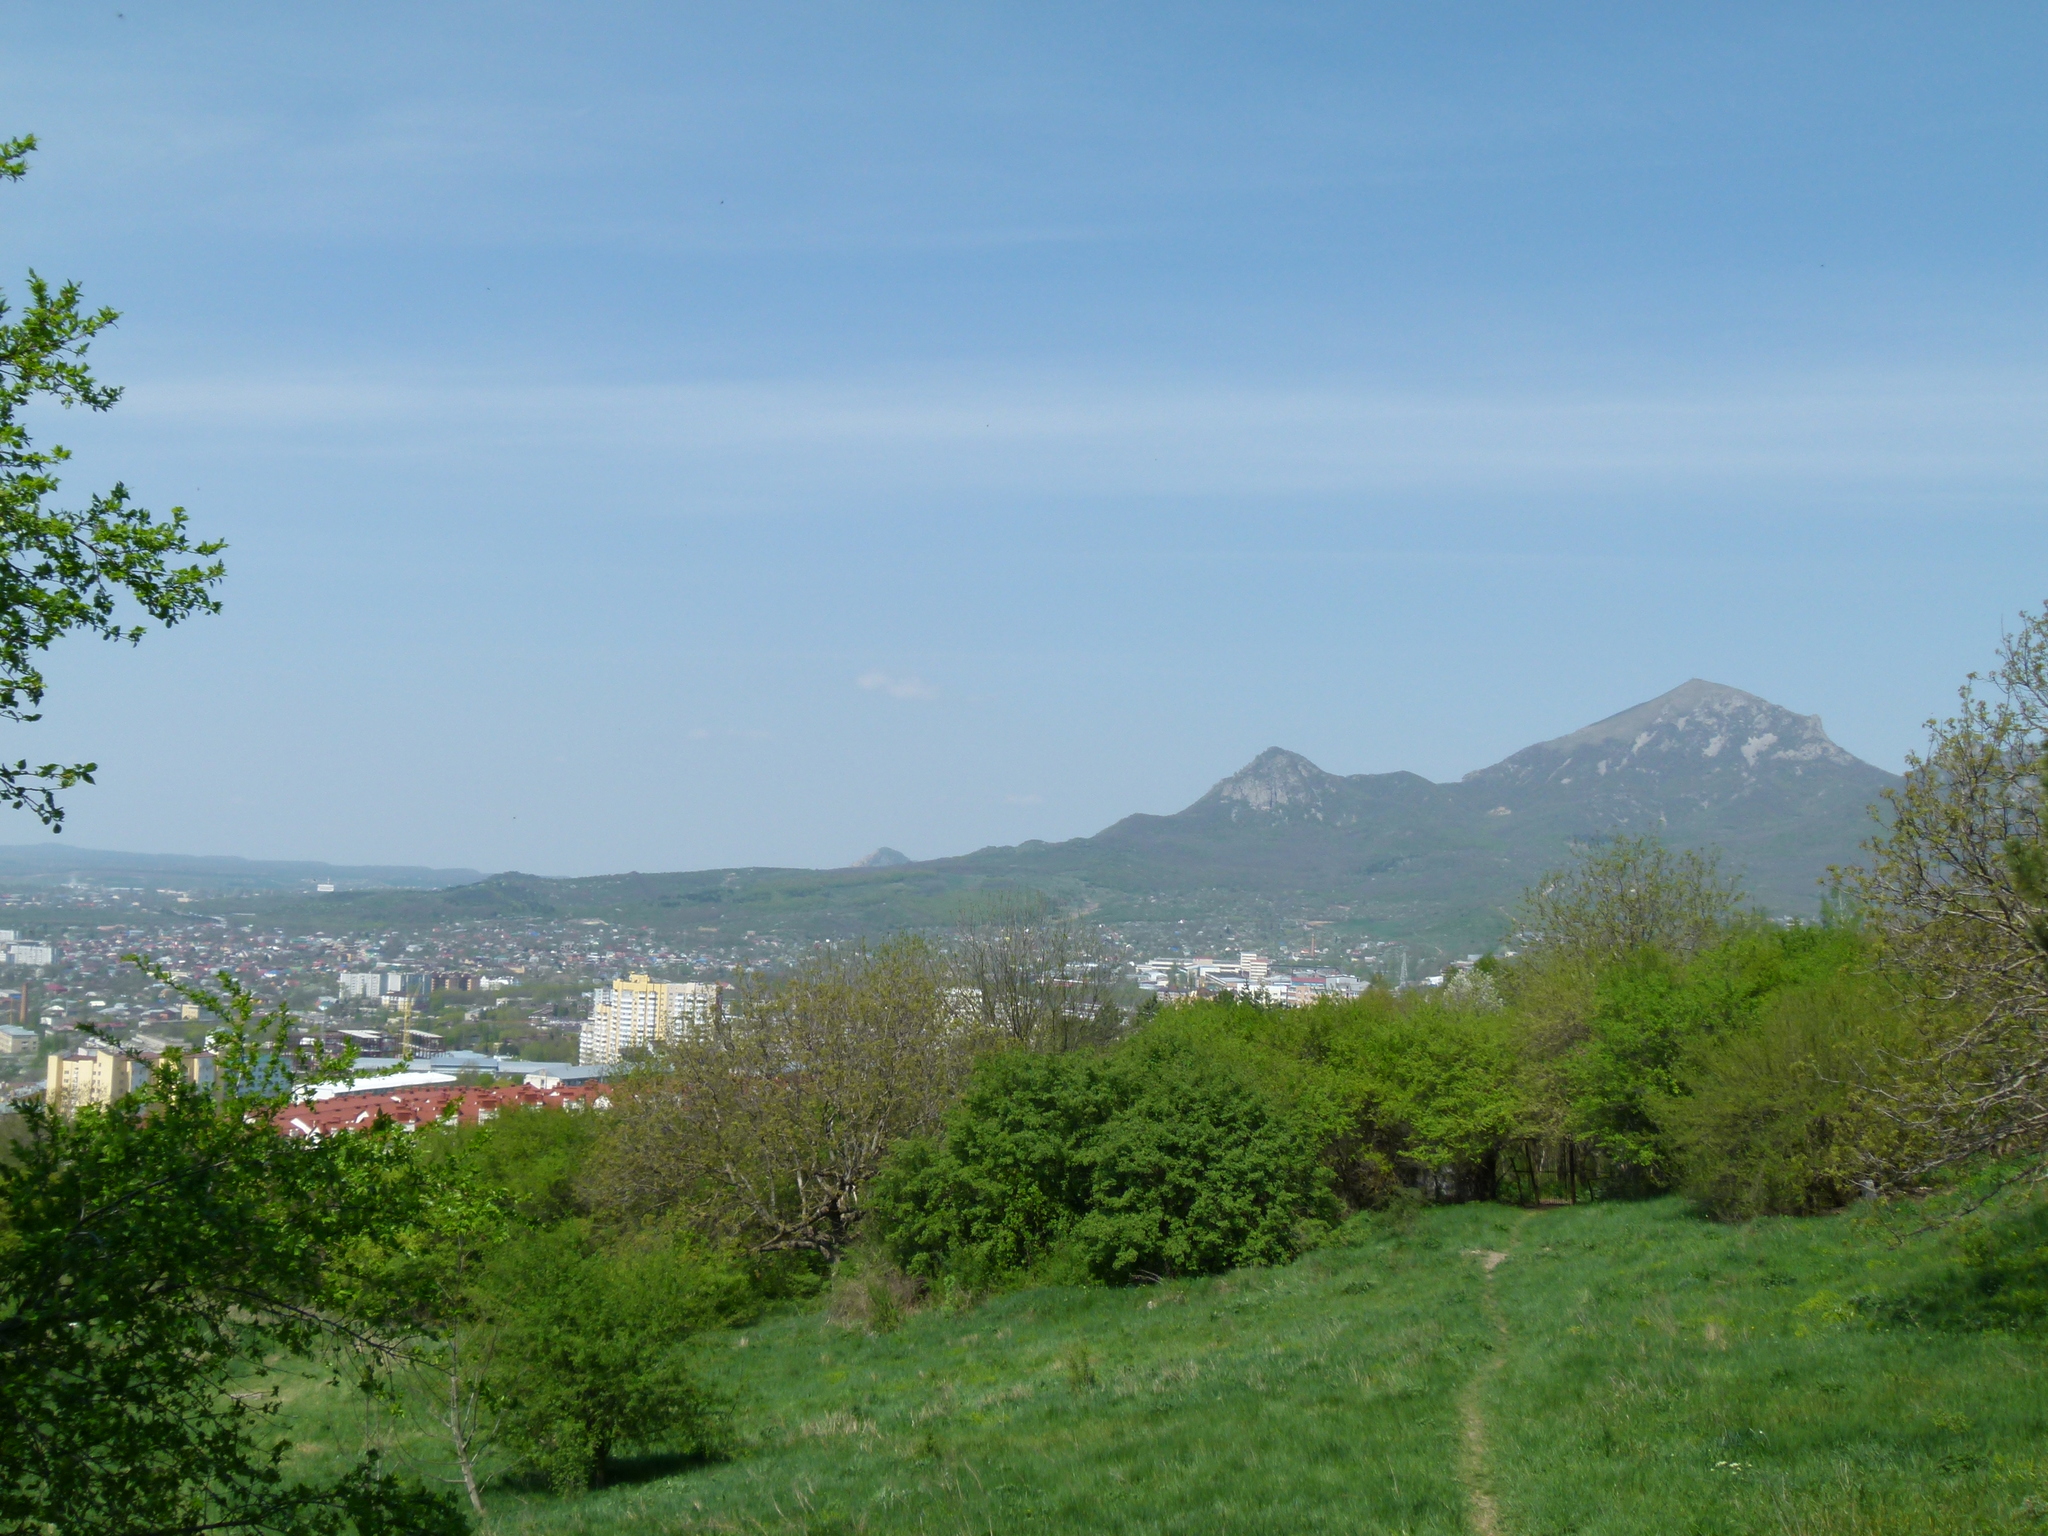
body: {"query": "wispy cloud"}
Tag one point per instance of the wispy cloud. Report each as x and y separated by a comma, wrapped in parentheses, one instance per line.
(756, 442)
(896, 687)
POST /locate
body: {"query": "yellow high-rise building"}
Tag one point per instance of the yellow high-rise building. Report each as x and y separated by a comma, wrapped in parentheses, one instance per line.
(639, 1014)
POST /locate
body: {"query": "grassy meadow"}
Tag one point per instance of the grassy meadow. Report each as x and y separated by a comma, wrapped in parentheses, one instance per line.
(1620, 1367)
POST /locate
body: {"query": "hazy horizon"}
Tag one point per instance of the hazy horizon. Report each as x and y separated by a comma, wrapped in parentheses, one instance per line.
(53, 843)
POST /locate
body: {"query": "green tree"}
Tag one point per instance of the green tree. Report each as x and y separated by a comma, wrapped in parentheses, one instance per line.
(1956, 893)
(65, 571)
(419, 1284)
(1765, 1120)
(1164, 1159)
(771, 1131)
(1652, 1021)
(517, 1327)
(1439, 1087)
(159, 1258)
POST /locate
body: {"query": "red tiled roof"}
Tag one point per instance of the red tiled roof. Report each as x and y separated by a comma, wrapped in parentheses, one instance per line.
(414, 1107)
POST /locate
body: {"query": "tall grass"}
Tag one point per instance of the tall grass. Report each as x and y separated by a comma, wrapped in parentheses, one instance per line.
(1670, 1374)
(1656, 1373)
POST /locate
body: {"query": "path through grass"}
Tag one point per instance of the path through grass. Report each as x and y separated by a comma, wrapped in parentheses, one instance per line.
(1626, 1368)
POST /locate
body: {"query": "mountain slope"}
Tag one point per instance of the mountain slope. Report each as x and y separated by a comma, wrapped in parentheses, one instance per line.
(1392, 854)
(1704, 765)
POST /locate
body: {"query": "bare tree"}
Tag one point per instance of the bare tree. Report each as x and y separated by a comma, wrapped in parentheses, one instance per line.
(1957, 896)
(1624, 893)
(771, 1130)
(1037, 978)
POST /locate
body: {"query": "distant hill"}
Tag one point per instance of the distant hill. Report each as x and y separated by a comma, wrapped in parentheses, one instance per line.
(1389, 854)
(32, 866)
(1703, 765)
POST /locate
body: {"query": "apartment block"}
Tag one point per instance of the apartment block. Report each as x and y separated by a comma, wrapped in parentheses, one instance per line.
(637, 1013)
(98, 1074)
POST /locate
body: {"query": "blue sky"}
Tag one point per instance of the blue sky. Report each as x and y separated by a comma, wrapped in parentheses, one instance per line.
(665, 436)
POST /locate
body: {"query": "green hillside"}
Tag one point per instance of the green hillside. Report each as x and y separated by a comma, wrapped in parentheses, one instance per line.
(1620, 1368)
(1393, 856)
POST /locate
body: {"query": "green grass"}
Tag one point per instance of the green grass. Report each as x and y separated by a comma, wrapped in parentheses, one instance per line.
(1627, 1368)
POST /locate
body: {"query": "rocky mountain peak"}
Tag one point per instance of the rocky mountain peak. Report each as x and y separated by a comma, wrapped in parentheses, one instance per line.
(1698, 727)
(1275, 780)
(881, 858)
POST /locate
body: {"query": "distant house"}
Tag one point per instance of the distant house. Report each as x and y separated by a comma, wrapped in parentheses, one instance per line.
(16, 1041)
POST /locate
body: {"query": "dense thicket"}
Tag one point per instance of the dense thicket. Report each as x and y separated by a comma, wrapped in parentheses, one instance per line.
(1223, 1133)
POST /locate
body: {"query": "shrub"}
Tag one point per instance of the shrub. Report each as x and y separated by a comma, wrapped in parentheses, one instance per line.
(1766, 1120)
(1161, 1160)
(588, 1349)
(1658, 1029)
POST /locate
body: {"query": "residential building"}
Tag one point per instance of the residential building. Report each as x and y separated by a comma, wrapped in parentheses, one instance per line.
(93, 1075)
(99, 1074)
(415, 1099)
(16, 1041)
(29, 954)
(637, 1014)
(386, 984)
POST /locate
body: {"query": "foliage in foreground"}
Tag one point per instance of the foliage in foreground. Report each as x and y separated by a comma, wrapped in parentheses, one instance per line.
(591, 1344)
(532, 1338)
(159, 1259)
(65, 572)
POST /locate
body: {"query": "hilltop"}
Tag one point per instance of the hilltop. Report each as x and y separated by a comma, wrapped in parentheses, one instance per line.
(1393, 854)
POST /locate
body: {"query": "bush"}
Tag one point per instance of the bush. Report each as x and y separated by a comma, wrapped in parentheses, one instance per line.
(1660, 1031)
(588, 1349)
(870, 1293)
(1161, 1160)
(1766, 1119)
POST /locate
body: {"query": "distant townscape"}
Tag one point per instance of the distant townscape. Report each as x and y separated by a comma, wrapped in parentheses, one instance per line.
(1283, 881)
